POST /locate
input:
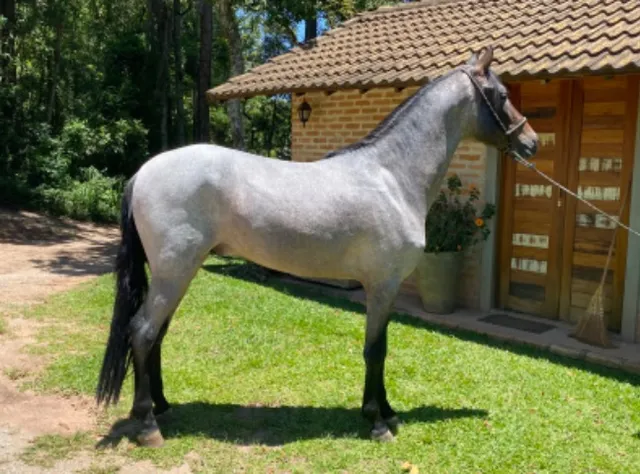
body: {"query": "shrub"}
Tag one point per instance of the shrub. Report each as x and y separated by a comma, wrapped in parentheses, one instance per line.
(95, 197)
(453, 224)
(118, 147)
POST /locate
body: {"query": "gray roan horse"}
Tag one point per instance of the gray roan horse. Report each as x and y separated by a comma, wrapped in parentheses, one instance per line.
(358, 214)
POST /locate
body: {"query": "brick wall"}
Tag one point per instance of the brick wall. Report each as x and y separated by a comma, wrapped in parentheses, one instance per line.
(346, 116)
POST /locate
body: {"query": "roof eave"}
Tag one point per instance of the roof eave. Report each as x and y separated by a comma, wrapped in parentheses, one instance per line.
(214, 97)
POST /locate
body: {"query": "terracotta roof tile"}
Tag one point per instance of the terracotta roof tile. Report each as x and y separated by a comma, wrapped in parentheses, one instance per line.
(413, 43)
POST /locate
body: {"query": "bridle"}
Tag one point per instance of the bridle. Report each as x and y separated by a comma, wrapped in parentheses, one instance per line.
(508, 131)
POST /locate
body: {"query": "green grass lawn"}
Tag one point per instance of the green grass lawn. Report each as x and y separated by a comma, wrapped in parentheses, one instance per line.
(268, 378)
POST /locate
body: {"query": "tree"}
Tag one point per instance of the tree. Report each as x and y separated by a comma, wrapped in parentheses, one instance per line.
(178, 73)
(201, 117)
(234, 40)
(311, 26)
(57, 15)
(7, 41)
(159, 32)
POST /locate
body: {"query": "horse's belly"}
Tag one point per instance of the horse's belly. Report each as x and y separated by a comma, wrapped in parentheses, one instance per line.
(310, 259)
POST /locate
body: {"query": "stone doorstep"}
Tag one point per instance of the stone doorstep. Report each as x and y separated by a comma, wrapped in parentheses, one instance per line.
(626, 356)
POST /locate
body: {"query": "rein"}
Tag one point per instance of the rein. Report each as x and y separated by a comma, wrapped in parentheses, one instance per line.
(528, 164)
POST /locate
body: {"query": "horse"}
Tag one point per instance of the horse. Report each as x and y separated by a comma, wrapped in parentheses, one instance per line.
(359, 214)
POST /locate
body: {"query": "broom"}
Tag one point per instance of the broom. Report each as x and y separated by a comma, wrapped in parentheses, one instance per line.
(592, 326)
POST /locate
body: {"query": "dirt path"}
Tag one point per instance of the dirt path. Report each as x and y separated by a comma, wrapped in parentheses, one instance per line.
(40, 255)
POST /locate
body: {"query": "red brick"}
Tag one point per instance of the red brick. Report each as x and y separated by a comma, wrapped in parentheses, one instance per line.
(467, 157)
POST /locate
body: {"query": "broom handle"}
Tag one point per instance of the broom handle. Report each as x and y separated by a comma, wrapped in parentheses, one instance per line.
(615, 234)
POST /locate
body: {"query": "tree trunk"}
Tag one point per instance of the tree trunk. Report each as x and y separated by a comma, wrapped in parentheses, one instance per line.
(272, 128)
(55, 71)
(179, 73)
(232, 34)
(204, 72)
(311, 27)
(159, 34)
(7, 42)
(163, 76)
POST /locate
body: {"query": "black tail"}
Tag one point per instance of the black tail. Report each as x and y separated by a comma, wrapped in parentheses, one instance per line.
(131, 288)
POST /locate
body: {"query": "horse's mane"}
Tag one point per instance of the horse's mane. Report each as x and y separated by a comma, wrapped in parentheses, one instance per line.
(383, 127)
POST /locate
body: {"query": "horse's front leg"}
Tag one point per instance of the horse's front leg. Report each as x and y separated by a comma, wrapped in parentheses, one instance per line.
(375, 406)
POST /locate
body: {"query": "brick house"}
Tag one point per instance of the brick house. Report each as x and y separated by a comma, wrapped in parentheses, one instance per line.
(573, 68)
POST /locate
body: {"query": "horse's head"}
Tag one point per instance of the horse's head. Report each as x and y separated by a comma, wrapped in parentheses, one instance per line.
(498, 122)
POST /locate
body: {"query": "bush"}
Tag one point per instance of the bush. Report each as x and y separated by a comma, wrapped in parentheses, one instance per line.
(453, 225)
(14, 191)
(95, 197)
(118, 147)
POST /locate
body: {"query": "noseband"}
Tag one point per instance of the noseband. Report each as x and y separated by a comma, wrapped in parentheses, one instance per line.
(508, 131)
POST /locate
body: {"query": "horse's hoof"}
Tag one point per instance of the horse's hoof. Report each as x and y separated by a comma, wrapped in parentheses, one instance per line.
(382, 435)
(152, 439)
(394, 424)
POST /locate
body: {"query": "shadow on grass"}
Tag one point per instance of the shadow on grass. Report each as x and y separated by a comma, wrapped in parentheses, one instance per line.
(274, 426)
(249, 272)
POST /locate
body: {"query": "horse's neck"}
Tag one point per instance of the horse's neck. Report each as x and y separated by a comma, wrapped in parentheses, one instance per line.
(418, 147)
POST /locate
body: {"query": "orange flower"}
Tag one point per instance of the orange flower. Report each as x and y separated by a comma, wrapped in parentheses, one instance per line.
(479, 222)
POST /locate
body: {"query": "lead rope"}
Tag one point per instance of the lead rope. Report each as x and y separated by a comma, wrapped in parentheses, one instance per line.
(533, 167)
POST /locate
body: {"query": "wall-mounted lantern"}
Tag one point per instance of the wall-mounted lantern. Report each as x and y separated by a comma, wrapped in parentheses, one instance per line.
(304, 112)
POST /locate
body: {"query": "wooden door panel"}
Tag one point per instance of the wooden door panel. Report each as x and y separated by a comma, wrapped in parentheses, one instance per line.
(553, 247)
(599, 171)
(530, 257)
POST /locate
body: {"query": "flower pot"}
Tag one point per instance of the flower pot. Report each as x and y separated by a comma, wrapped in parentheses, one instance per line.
(437, 276)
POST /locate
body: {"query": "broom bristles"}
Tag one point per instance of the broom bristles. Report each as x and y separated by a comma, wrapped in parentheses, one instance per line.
(592, 327)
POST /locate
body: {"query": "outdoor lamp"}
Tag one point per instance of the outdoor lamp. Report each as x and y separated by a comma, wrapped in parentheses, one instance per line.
(304, 112)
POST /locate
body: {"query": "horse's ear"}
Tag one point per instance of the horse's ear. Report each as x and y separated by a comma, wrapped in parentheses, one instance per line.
(472, 60)
(484, 60)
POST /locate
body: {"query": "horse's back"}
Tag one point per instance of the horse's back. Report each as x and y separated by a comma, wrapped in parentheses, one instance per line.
(327, 218)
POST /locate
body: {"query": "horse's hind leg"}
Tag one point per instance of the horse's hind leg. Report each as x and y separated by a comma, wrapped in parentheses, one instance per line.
(170, 280)
(160, 403)
(161, 302)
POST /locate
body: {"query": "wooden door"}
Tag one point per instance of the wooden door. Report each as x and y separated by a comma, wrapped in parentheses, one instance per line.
(554, 248)
(601, 163)
(532, 209)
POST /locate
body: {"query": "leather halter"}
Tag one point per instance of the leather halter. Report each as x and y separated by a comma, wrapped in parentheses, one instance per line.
(508, 131)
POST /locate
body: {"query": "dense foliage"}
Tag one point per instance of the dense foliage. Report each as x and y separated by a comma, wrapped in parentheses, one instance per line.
(90, 89)
(455, 224)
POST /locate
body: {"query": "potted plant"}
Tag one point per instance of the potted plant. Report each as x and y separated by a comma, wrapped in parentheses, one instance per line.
(454, 224)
